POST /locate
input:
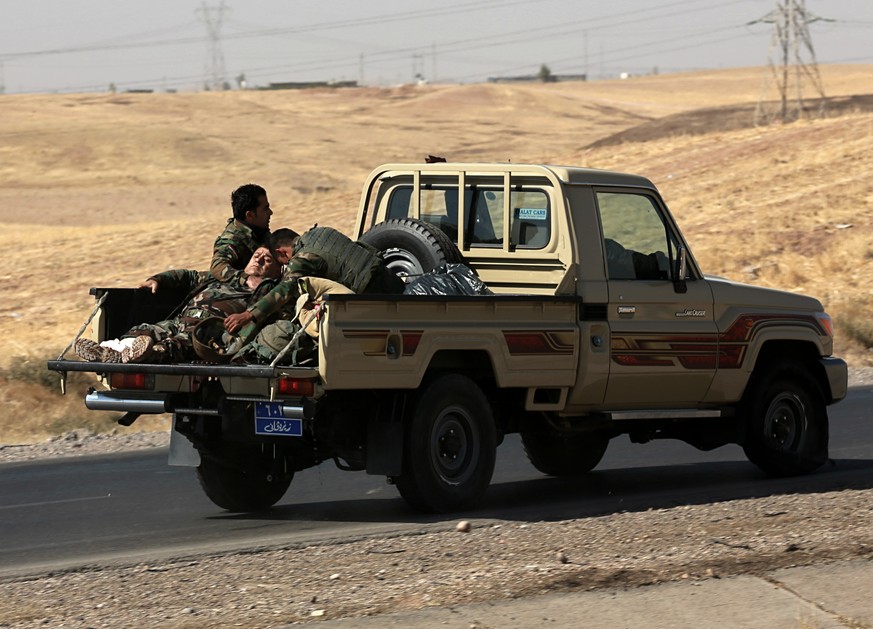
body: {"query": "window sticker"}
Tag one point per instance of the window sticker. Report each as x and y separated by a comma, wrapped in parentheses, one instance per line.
(532, 214)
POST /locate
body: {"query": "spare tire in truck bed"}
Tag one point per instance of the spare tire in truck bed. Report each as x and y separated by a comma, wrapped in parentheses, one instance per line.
(412, 247)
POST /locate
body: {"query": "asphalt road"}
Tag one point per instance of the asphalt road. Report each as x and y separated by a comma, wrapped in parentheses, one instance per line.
(127, 508)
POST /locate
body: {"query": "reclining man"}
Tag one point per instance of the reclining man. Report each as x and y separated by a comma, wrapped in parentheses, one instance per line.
(171, 340)
(320, 252)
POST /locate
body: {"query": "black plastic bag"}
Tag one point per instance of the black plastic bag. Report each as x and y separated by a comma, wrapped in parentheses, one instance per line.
(448, 279)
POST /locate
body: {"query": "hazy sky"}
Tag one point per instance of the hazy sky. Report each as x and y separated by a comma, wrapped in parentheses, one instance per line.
(84, 45)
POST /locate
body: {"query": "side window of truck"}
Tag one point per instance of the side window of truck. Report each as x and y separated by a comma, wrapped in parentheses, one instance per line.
(636, 239)
(530, 225)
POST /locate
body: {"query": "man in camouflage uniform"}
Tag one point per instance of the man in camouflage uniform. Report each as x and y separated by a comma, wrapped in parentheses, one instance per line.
(248, 229)
(171, 340)
(320, 252)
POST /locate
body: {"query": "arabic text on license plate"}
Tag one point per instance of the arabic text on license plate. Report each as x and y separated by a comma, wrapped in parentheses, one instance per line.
(269, 420)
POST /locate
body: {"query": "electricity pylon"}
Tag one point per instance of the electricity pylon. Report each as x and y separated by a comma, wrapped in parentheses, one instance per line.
(213, 17)
(792, 65)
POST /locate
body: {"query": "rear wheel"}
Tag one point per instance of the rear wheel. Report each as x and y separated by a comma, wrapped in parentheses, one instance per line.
(786, 423)
(252, 486)
(411, 247)
(562, 454)
(450, 446)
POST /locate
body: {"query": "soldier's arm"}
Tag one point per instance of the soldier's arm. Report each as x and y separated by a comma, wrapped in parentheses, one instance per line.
(226, 262)
(183, 279)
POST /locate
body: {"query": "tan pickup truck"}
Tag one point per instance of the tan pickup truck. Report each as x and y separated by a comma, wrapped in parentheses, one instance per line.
(601, 324)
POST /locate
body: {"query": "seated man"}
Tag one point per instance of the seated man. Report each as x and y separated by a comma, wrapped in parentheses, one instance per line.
(246, 230)
(170, 340)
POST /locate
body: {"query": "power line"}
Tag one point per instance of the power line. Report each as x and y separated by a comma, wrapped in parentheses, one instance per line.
(401, 56)
(514, 38)
(263, 32)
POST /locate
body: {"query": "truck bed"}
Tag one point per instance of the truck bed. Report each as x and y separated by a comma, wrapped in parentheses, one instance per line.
(387, 342)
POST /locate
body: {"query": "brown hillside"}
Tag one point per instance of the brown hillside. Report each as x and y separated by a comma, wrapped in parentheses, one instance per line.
(106, 189)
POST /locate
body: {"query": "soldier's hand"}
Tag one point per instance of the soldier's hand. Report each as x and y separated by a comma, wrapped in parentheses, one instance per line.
(151, 284)
(236, 321)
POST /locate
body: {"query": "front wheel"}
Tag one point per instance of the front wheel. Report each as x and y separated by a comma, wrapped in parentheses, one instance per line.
(786, 423)
(254, 487)
(450, 446)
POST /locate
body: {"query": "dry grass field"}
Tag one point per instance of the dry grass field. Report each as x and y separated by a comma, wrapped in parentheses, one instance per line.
(107, 189)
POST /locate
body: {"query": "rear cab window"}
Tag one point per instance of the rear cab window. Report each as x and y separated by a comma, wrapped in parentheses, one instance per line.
(530, 218)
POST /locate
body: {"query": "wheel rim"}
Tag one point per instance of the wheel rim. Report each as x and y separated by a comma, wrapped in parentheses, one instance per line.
(401, 262)
(453, 442)
(785, 422)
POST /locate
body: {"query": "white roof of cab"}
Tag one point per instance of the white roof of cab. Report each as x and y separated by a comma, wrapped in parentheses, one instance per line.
(564, 174)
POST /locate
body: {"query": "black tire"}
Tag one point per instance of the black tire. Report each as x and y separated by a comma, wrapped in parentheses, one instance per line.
(449, 447)
(411, 247)
(786, 422)
(559, 454)
(242, 490)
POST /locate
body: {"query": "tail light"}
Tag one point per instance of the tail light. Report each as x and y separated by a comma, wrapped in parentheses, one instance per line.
(131, 381)
(295, 386)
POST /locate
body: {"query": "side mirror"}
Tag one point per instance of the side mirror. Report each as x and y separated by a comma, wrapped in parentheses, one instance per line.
(680, 271)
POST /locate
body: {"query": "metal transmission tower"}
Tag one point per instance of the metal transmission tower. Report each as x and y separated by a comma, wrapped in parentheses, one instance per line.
(213, 17)
(795, 69)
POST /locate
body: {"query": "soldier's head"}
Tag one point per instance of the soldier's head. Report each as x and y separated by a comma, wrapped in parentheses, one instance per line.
(282, 244)
(251, 206)
(263, 264)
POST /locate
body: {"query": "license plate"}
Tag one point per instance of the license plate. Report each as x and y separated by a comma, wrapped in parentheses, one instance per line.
(270, 421)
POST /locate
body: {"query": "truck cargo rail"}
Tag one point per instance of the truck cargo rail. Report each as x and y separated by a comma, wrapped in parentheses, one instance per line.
(183, 369)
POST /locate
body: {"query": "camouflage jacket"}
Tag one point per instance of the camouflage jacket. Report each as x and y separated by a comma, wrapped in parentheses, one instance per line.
(207, 297)
(284, 296)
(320, 252)
(233, 249)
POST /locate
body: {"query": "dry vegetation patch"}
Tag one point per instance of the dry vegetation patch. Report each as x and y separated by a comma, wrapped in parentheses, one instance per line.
(108, 189)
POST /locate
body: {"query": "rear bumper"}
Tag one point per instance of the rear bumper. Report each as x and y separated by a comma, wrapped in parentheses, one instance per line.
(837, 373)
(156, 403)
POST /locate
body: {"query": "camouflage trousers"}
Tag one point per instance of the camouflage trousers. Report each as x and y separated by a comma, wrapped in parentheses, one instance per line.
(172, 338)
(272, 339)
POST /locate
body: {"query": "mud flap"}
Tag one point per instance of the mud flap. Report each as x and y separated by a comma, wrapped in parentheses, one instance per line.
(385, 448)
(182, 451)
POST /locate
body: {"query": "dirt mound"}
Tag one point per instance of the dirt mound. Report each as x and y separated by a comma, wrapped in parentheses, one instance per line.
(725, 118)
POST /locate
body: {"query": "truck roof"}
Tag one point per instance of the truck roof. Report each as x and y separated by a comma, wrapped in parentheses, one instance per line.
(565, 174)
